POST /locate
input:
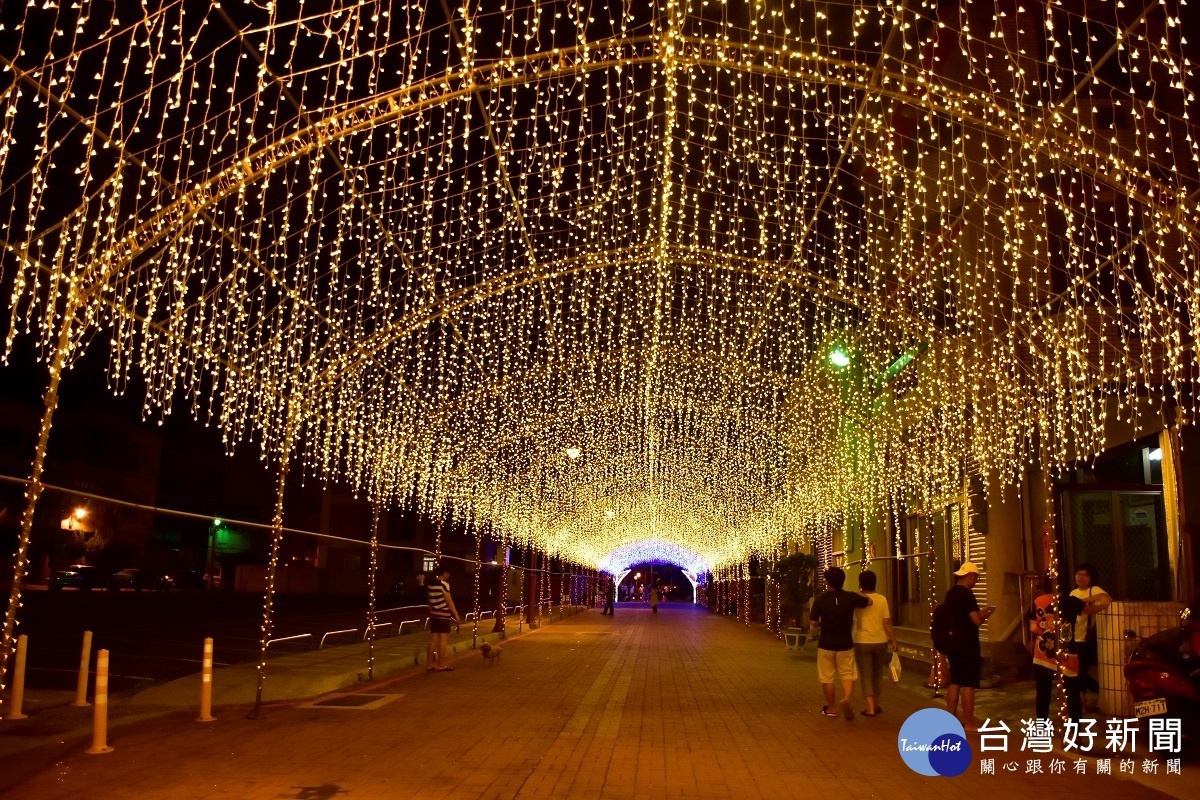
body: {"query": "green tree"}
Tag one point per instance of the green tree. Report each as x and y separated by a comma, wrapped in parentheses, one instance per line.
(795, 574)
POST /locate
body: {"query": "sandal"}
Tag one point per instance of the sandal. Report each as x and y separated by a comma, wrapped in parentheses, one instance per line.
(827, 713)
(847, 710)
(869, 713)
(445, 669)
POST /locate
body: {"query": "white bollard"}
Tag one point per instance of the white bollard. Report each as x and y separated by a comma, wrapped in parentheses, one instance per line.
(84, 660)
(100, 715)
(18, 692)
(206, 684)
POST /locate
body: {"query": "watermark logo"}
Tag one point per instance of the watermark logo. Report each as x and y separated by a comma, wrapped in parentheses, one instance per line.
(932, 742)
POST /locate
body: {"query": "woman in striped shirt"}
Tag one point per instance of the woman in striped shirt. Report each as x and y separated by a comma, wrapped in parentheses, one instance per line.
(442, 615)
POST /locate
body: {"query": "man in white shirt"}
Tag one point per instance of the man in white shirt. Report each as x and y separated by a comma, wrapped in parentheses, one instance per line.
(1094, 600)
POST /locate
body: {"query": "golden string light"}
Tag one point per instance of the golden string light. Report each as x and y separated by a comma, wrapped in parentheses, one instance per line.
(589, 274)
(372, 575)
(502, 601)
(478, 570)
(744, 572)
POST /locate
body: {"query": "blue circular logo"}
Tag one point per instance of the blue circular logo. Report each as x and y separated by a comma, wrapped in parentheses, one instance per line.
(932, 742)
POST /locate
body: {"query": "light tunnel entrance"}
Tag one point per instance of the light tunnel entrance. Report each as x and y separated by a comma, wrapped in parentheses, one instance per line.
(633, 565)
(674, 583)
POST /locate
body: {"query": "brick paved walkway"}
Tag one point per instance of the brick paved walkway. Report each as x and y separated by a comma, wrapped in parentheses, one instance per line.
(680, 705)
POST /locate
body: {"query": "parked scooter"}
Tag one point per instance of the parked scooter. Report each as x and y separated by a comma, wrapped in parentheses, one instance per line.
(1163, 673)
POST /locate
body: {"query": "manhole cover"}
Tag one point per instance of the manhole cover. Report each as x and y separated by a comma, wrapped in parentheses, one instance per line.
(358, 701)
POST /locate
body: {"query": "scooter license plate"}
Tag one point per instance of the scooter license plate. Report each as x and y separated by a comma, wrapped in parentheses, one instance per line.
(1148, 708)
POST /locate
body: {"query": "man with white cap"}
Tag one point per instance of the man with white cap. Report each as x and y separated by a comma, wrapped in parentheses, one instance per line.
(964, 655)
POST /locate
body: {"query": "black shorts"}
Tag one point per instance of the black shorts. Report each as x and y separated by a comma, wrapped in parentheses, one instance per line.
(440, 624)
(965, 666)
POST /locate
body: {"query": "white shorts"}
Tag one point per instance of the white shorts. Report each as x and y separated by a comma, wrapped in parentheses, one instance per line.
(832, 662)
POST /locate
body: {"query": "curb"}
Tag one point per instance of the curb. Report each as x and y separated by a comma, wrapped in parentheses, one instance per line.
(183, 694)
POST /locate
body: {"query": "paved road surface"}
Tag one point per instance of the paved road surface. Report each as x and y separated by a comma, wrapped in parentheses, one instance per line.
(635, 707)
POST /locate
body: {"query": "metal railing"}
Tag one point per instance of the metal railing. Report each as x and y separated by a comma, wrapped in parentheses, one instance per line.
(401, 626)
(327, 634)
(295, 638)
(376, 626)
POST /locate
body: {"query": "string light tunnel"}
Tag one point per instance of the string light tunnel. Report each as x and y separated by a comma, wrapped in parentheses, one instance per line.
(592, 275)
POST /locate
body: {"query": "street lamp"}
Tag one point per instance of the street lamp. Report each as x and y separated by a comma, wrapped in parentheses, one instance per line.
(574, 453)
(839, 358)
(208, 556)
(75, 520)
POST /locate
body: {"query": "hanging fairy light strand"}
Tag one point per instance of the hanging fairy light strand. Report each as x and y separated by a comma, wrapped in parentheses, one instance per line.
(372, 575)
(478, 575)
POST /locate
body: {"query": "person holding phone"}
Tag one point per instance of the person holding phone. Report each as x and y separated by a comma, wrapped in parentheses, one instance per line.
(966, 659)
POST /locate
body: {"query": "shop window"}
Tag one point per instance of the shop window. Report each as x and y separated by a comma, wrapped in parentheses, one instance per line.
(1123, 534)
(910, 605)
(945, 534)
(958, 545)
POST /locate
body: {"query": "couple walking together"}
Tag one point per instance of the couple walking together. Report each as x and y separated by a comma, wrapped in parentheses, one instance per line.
(856, 637)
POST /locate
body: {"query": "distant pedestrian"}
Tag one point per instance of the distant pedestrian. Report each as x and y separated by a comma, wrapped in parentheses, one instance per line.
(610, 595)
(874, 641)
(654, 599)
(965, 657)
(833, 613)
(442, 615)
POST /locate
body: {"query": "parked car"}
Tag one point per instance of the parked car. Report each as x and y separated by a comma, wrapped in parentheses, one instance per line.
(79, 576)
(139, 579)
(190, 580)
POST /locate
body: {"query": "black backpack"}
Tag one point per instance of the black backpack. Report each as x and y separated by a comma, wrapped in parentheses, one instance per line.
(941, 628)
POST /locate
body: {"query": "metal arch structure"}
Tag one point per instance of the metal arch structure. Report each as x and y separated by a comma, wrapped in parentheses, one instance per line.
(381, 111)
(620, 560)
(936, 98)
(405, 242)
(940, 99)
